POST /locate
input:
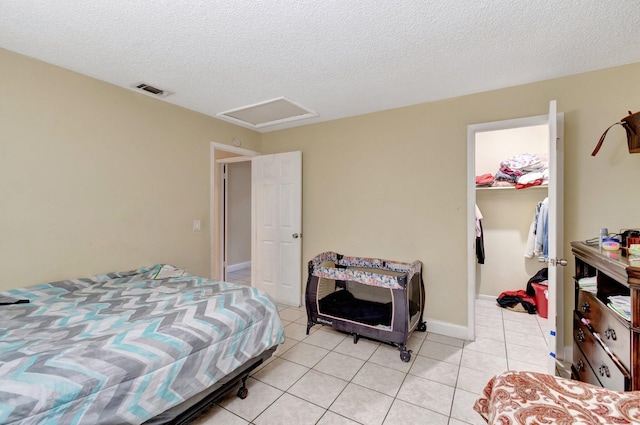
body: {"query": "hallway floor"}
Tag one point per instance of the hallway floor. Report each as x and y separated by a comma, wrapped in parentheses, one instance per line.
(242, 276)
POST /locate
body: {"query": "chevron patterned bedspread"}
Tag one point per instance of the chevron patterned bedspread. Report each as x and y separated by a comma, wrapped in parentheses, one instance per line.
(120, 348)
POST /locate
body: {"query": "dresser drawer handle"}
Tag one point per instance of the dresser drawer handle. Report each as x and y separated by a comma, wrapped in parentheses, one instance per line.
(580, 335)
(604, 370)
(585, 307)
(580, 366)
(610, 333)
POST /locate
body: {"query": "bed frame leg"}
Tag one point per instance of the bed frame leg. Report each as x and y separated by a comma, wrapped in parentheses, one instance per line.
(243, 391)
(356, 337)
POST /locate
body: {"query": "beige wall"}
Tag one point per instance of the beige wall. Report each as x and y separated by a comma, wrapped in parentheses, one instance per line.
(492, 147)
(95, 178)
(393, 184)
(239, 213)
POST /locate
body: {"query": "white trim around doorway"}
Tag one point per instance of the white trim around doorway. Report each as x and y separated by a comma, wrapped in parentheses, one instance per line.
(215, 246)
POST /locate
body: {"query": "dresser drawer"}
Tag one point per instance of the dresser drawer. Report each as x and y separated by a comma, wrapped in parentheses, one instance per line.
(610, 328)
(581, 369)
(605, 369)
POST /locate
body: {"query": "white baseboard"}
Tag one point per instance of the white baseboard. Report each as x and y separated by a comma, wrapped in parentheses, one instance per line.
(486, 297)
(239, 266)
(447, 329)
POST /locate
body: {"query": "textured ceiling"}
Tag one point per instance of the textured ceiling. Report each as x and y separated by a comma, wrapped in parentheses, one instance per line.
(338, 58)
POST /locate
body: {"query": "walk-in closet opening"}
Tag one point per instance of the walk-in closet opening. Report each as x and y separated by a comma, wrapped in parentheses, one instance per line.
(508, 209)
(502, 254)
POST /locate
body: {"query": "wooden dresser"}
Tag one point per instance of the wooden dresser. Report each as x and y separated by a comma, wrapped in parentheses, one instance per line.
(606, 346)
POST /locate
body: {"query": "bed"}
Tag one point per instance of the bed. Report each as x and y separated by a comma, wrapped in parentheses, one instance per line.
(537, 398)
(125, 348)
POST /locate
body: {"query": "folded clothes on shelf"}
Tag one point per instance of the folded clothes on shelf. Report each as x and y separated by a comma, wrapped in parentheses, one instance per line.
(621, 304)
(588, 283)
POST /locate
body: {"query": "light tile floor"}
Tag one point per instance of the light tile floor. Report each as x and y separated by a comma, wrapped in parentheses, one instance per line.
(325, 379)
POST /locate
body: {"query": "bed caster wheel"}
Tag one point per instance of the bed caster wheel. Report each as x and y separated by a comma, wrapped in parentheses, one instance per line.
(422, 327)
(243, 392)
(405, 356)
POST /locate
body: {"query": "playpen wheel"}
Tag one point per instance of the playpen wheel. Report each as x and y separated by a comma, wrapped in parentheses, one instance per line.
(243, 392)
(422, 326)
(405, 356)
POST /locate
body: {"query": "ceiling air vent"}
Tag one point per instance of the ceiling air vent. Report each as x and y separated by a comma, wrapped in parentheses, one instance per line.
(153, 90)
(270, 112)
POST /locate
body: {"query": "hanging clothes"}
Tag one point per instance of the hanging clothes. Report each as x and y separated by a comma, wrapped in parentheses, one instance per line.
(479, 237)
(538, 238)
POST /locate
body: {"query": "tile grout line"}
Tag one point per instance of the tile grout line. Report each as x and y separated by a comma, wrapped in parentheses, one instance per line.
(504, 335)
(394, 398)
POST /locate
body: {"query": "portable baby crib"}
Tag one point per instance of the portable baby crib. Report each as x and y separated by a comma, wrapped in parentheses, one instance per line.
(370, 297)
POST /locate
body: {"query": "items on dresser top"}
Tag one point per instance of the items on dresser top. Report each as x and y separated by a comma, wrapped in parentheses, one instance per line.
(610, 244)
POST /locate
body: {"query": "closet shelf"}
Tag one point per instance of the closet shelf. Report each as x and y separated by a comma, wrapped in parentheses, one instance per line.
(544, 186)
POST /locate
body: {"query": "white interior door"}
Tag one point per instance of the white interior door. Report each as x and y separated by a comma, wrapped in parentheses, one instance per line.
(277, 215)
(555, 319)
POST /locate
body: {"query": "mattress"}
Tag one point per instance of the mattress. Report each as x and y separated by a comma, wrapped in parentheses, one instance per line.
(124, 347)
(344, 305)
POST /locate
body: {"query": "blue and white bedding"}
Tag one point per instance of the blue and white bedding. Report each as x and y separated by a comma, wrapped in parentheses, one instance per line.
(122, 347)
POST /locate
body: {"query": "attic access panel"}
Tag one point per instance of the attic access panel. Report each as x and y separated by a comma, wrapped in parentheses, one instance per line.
(270, 112)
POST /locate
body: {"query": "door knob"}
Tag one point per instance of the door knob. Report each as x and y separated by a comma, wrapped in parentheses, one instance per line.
(553, 261)
(296, 235)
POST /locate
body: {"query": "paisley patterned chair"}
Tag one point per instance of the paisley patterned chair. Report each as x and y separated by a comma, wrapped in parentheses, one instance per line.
(533, 398)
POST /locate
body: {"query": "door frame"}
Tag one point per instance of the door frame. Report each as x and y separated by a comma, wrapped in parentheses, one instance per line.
(471, 202)
(216, 209)
(223, 225)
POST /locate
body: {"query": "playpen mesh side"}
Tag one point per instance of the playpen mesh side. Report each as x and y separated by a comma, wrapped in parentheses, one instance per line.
(414, 289)
(326, 286)
(344, 305)
(371, 293)
(371, 305)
